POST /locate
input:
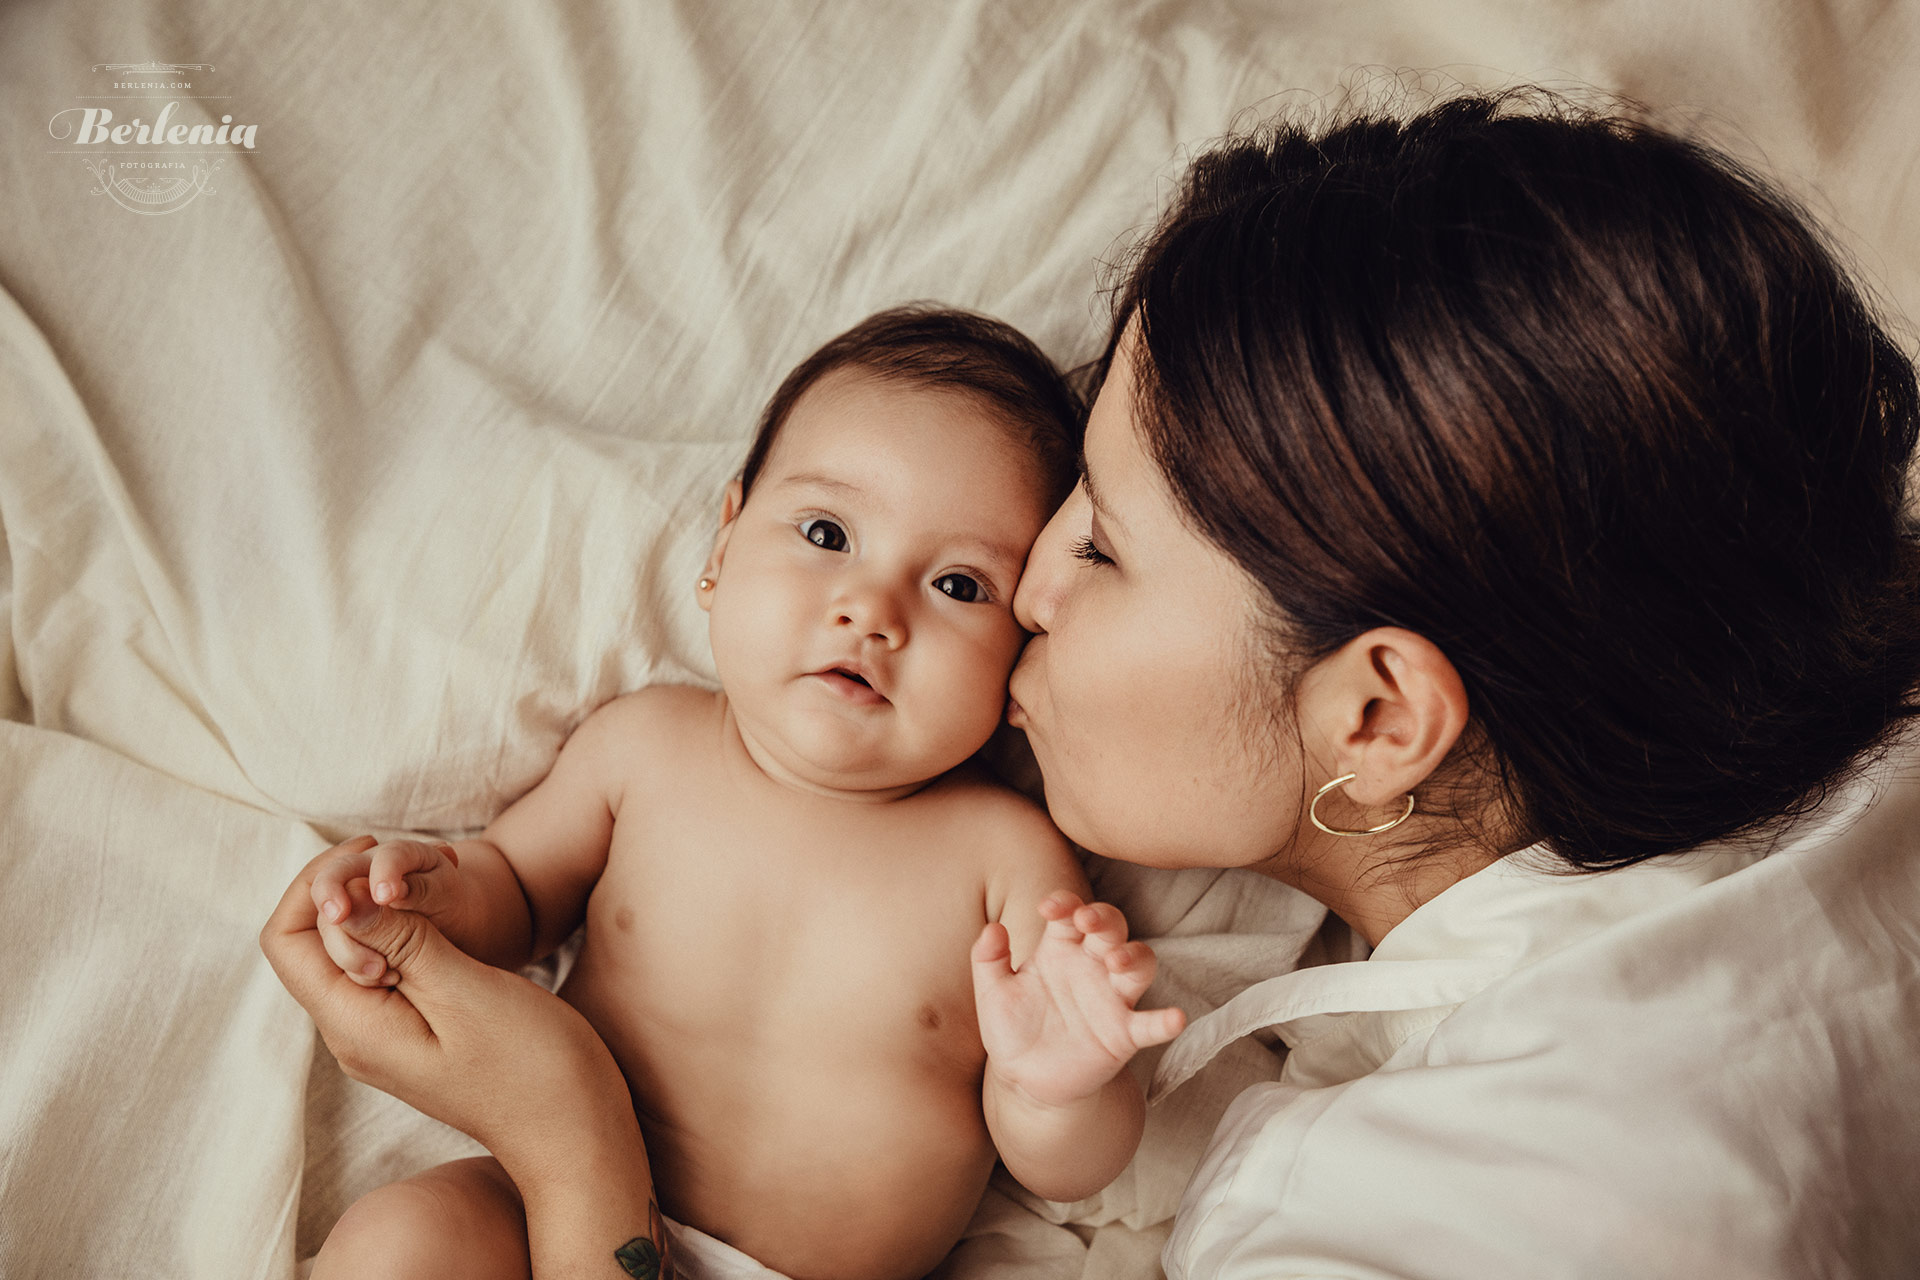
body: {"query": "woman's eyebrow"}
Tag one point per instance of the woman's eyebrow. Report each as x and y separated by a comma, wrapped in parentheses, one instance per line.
(1093, 495)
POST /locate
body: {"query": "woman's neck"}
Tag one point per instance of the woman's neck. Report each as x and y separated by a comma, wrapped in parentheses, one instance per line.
(1371, 885)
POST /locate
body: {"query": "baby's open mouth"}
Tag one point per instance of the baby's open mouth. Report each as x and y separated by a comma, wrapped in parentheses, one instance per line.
(851, 685)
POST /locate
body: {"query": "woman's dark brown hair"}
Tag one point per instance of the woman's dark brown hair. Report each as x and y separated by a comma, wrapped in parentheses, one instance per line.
(1582, 402)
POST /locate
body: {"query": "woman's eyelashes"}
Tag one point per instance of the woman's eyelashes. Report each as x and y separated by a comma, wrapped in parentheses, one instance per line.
(1083, 549)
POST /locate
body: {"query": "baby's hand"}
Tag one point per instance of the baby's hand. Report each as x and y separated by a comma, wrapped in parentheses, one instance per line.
(364, 875)
(1065, 1024)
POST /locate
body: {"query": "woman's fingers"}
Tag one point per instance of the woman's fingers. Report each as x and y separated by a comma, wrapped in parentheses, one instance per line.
(478, 1048)
(363, 964)
(348, 1016)
(382, 1037)
(331, 871)
(410, 945)
(398, 872)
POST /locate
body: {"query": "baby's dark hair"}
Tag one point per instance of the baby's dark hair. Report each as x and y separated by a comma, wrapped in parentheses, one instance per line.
(944, 348)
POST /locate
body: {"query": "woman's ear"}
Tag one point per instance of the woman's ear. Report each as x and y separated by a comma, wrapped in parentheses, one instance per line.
(729, 511)
(1390, 707)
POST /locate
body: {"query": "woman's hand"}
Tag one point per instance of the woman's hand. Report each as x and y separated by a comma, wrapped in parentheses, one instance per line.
(496, 1057)
(479, 1048)
(407, 875)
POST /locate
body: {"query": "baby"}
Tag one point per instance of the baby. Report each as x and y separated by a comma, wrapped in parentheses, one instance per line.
(784, 882)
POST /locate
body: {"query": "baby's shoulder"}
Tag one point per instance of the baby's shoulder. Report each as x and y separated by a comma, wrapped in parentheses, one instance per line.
(1020, 855)
(661, 701)
(658, 717)
(1001, 822)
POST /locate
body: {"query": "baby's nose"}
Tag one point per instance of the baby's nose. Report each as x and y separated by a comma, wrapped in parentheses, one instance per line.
(874, 612)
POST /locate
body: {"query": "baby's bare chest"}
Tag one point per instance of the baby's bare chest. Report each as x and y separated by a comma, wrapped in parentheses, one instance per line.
(750, 927)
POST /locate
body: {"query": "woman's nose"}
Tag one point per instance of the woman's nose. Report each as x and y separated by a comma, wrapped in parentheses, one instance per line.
(1040, 581)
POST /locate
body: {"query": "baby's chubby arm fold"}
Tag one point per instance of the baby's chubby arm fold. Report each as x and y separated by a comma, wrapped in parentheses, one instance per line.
(516, 892)
(1059, 1030)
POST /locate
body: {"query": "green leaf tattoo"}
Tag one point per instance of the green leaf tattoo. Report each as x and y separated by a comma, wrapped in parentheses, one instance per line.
(648, 1257)
(640, 1258)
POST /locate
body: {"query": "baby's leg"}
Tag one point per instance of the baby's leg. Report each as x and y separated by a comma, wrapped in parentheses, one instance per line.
(457, 1220)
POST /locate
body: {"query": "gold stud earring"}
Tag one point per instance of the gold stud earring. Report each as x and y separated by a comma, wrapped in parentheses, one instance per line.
(706, 584)
(1313, 807)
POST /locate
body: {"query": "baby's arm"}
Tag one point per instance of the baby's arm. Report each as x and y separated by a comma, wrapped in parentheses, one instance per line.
(1064, 1114)
(516, 892)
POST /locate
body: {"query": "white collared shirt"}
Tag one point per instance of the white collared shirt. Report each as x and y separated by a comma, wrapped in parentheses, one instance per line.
(1702, 1066)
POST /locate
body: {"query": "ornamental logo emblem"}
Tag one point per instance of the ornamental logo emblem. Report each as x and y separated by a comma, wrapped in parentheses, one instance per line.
(152, 134)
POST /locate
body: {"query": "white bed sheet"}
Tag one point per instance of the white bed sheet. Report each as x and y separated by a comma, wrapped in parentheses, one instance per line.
(333, 500)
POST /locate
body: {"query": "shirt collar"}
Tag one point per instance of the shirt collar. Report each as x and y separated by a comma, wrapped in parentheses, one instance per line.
(1479, 929)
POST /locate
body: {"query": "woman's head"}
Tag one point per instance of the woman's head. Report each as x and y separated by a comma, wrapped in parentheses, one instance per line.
(1564, 405)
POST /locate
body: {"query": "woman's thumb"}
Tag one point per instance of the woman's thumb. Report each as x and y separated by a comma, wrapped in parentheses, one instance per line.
(412, 946)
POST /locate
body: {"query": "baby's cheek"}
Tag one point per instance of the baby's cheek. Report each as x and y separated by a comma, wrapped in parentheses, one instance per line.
(962, 704)
(984, 690)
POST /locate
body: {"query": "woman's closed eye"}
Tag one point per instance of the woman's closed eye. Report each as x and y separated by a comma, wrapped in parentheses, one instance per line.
(824, 533)
(1083, 549)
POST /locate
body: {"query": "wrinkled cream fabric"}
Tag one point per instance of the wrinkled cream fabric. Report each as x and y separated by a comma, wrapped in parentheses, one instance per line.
(334, 500)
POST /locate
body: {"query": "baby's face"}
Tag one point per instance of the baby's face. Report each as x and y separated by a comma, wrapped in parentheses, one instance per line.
(862, 619)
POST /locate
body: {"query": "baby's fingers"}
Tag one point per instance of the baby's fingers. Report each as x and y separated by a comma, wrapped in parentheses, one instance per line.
(992, 953)
(401, 872)
(1104, 926)
(1058, 910)
(349, 861)
(1155, 1026)
(1131, 968)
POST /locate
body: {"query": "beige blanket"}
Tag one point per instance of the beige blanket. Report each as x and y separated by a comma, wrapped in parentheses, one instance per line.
(341, 474)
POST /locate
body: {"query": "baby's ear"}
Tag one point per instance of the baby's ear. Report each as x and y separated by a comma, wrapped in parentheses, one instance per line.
(731, 502)
(730, 506)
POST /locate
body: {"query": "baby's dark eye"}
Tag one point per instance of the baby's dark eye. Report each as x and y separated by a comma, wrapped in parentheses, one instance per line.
(960, 587)
(824, 533)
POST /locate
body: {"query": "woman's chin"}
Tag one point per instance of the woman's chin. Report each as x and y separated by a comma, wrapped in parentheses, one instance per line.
(1109, 834)
(1081, 823)
(1072, 823)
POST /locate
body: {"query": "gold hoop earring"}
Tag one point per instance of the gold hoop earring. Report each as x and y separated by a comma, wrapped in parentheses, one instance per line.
(706, 584)
(1312, 812)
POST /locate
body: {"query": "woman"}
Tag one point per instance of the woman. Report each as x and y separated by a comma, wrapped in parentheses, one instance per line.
(1471, 501)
